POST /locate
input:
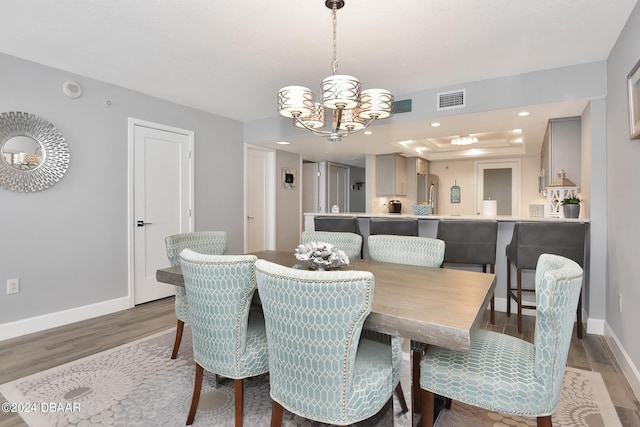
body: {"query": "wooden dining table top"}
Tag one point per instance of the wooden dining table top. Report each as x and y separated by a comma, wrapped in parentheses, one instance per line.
(437, 306)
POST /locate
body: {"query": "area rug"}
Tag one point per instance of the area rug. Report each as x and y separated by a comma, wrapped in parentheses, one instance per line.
(138, 384)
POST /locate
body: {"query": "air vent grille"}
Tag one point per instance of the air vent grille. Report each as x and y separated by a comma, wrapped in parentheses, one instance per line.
(453, 99)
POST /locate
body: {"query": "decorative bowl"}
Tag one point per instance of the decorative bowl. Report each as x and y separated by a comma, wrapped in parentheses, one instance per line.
(421, 209)
(321, 256)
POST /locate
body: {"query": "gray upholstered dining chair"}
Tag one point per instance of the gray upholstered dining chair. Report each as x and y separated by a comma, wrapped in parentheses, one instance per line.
(349, 243)
(206, 242)
(229, 335)
(505, 374)
(411, 250)
(320, 367)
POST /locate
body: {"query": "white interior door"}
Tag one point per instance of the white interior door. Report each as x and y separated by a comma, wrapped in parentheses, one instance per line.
(162, 201)
(259, 200)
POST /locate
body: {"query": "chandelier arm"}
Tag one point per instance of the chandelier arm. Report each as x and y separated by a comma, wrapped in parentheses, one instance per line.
(314, 131)
(338, 121)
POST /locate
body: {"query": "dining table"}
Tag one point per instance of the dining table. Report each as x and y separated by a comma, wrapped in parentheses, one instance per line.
(435, 306)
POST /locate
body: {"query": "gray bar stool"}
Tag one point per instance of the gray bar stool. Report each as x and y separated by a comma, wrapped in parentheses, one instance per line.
(532, 239)
(394, 226)
(471, 243)
(342, 224)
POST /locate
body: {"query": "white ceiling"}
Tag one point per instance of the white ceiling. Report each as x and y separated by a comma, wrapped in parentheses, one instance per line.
(231, 57)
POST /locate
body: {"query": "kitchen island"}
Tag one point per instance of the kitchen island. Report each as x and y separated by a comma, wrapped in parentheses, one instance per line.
(428, 227)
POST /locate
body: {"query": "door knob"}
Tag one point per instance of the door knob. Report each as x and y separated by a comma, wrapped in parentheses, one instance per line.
(142, 223)
(251, 217)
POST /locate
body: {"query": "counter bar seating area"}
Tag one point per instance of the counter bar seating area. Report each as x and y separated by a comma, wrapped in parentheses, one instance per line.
(532, 239)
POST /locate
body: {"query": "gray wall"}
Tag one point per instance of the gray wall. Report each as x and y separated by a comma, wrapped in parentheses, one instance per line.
(288, 203)
(68, 244)
(356, 196)
(622, 201)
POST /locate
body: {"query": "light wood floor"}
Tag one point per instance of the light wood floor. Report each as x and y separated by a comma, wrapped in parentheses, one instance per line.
(43, 350)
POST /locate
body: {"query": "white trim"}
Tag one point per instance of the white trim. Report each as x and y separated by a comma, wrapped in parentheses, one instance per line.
(60, 318)
(596, 326)
(516, 186)
(131, 124)
(626, 364)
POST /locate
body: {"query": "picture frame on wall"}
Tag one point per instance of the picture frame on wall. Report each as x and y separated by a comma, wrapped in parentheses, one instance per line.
(633, 84)
(289, 178)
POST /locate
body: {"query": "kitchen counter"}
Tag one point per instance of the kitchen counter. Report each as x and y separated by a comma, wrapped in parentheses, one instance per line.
(499, 218)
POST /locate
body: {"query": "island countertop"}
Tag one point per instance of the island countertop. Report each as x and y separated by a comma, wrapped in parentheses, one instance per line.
(499, 218)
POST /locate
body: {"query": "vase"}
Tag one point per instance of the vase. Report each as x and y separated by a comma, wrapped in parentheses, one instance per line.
(571, 211)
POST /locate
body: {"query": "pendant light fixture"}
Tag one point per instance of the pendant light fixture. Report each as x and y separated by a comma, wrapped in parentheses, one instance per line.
(464, 140)
(350, 109)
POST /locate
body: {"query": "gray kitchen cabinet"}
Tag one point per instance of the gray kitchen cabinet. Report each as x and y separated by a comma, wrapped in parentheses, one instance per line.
(391, 175)
(561, 150)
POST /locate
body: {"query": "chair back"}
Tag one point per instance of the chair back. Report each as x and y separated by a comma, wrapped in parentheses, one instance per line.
(410, 250)
(349, 243)
(558, 285)
(532, 239)
(204, 242)
(314, 321)
(336, 223)
(469, 242)
(396, 227)
(219, 289)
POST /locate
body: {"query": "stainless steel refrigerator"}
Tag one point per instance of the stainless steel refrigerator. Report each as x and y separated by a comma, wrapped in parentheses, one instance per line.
(428, 191)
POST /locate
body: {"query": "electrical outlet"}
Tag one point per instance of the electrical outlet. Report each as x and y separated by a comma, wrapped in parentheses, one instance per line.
(13, 286)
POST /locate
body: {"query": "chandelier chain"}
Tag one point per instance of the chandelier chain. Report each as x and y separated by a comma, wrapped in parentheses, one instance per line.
(334, 15)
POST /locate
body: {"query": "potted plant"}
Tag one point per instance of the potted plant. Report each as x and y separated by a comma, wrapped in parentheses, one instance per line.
(571, 206)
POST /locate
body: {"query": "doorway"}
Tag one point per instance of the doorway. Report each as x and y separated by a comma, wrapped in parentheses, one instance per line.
(259, 203)
(160, 204)
(338, 187)
(499, 180)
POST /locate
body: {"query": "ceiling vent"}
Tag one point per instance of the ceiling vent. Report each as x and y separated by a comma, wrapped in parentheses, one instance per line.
(453, 99)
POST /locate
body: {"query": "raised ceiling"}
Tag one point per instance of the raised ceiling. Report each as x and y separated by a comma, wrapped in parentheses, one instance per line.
(230, 58)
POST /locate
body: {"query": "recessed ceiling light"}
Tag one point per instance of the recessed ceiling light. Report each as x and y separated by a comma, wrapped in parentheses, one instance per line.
(517, 131)
(523, 113)
(367, 132)
(283, 143)
(518, 140)
(406, 143)
(435, 124)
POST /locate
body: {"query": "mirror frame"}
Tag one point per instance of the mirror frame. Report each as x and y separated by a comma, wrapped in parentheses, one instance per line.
(55, 154)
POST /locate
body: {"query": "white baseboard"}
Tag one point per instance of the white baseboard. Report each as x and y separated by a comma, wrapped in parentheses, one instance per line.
(630, 370)
(52, 320)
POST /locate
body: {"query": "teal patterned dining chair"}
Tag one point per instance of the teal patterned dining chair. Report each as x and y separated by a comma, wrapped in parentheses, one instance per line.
(410, 250)
(349, 243)
(228, 334)
(320, 367)
(206, 242)
(505, 374)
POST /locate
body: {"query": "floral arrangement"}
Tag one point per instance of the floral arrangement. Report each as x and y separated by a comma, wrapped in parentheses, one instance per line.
(321, 256)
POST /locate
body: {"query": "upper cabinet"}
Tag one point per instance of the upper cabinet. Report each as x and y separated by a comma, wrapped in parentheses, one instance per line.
(391, 175)
(561, 150)
(422, 166)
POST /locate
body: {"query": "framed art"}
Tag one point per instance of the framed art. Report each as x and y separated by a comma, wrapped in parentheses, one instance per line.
(289, 178)
(633, 82)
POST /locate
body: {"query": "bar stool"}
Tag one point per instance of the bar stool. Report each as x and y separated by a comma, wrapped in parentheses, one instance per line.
(471, 243)
(532, 239)
(342, 224)
(394, 226)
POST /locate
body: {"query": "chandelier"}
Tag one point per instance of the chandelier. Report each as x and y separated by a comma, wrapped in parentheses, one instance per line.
(350, 109)
(464, 140)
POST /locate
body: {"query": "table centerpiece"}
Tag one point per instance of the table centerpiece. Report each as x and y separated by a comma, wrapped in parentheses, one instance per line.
(321, 256)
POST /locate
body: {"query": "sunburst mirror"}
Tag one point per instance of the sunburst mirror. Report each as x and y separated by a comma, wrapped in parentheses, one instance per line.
(34, 154)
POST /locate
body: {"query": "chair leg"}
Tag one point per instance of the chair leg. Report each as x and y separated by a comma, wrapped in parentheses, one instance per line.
(545, 421)
(493, 299)
(508, 287)
(239, 401)
(428, 403)
(276, 414)
(197, 388)
(519, 293)
(176, 344)
(579, 317)
(416, 356)
(401, 399)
